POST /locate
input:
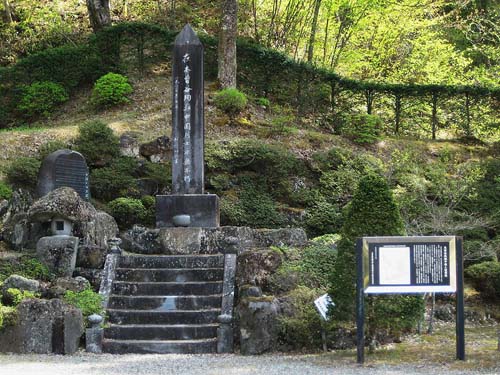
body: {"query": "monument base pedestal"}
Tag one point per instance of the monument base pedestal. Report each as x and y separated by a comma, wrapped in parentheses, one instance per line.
(203, 210)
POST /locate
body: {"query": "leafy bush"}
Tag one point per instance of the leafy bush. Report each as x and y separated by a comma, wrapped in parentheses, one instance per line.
(23, 172)
(232, 101)
(486, 279)
(322, 218)
(127, 211)
(251, 206)
(149, 203)
(309, 267)
(114, 181)
(88, 301)
(302, 328)
(5, 191)
(8, 316)
(97, 143)
(363, 129)
(111, 89)
(372, 212)
(25, 266)
(49, 147)
(17, 296)
(264, 102)
(41, 98)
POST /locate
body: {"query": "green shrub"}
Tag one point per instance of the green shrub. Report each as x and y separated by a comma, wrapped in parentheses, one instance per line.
(8, 316)
(97, 143)
(127, 211)
(49, 147)
(251, 206)
(41, 98)
(17, 296)
(149, 203)
(114, 181)
(302, 327)
(372, 212)
(322, 218)
(25, 266)
(111, 89)
(160, 174)
(486, 279)
(23, 172)
(264, 102)
(309, 267)
(363, 129)
(88, 301)
(5, 191)
(232, 101)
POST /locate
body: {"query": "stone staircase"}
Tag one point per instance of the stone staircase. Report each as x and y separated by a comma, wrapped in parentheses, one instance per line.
(164, 304)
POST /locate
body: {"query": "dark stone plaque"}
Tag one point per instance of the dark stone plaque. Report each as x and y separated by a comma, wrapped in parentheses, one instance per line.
(187, 114)
(64, 168)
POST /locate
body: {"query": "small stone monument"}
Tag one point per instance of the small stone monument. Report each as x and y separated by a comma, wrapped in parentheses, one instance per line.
(188, 206)
(64, 168)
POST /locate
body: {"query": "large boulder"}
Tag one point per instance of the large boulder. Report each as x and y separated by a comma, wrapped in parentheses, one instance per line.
(43, 327)
(256, 267)
(25, 228)
(62, 284)
(157, 150)
(129, 144)
(258, 320)
(58, 253)
(18, 282)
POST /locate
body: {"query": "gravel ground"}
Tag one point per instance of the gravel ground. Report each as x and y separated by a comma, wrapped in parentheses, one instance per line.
(87, 364)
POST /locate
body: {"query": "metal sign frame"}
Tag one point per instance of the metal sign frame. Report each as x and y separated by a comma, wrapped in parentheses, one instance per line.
(451, 246)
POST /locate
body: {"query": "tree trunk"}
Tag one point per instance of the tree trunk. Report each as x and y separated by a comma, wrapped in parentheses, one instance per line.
(434, 114)
(8, 13)
(468, 131)
(99, 14)
(314, 27)
(227, 44)
(397, 113)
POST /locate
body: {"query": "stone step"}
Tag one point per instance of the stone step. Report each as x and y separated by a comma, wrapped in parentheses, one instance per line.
(160, 347)
(161, 332)
(167, 288)
(165, 303)
(169, 275)
(208, 316)
(172, 261)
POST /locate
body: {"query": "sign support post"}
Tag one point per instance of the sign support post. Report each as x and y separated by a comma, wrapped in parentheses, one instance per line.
(460, 302)
(360, 303)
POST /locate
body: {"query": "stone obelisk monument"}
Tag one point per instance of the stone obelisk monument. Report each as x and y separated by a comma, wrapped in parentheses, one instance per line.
(188, 205)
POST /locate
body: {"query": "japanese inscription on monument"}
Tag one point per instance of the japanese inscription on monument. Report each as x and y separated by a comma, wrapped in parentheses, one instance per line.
(64, 168)
(187, 114)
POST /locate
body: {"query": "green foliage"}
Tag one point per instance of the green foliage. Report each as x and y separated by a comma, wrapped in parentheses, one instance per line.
(264, 102)
(41, 98)
(8, 316)
(5, 191)
(97, 143)
(372, 212)
(160, 173)
(51, 146)
(149, 204)
(17, 296)
(486, 279)
(311, 267)
(88, 301)
(322, 218)
(114, 181)
(127, 211)
(232, 101)
(25, 266)
(111, 89)
(252, 207)
(23, 172)
(363, 129)
(302, 329)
